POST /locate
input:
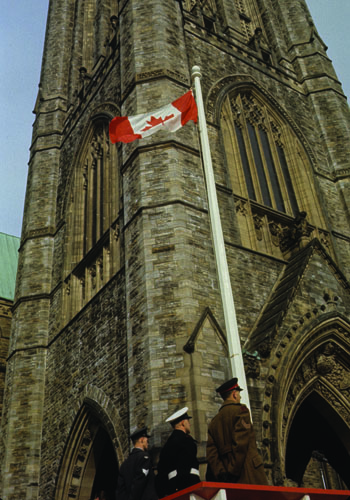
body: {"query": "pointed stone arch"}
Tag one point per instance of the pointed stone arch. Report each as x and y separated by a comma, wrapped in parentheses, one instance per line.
(318, 443)
(207, 315)
(104, 111)
(206, 367)
(307, 366)
(94, 450)
(218, 92)
(269, 164)
(92, 214)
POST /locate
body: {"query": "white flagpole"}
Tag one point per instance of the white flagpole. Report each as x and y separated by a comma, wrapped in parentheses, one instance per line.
(233, 340)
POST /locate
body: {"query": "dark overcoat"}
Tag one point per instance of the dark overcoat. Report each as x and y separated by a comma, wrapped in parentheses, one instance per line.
(178, 467)
(231, 448)
(136, 477)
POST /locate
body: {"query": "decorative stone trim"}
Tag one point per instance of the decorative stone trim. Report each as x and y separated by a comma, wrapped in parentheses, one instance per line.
(230, 83)
(291, 378)
(85, 425)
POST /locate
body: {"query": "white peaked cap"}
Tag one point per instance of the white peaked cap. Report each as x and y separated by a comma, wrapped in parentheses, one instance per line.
(178, 416)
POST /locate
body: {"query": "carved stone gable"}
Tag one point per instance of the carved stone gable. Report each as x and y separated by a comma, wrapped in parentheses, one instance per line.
(207, 328)
(310, 265)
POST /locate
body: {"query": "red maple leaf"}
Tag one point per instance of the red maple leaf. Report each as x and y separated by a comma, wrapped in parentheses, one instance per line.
(156, 121)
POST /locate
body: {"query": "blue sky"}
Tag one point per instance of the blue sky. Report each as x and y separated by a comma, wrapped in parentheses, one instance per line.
(22, 31)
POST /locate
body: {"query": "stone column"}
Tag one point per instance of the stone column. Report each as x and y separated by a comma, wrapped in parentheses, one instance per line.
(167, 235)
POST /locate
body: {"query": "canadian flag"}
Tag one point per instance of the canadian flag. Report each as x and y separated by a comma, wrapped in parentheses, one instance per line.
(171, 117)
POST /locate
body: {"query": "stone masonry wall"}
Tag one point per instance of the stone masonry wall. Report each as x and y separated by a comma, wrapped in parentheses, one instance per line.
(128, 341)
(90, 351)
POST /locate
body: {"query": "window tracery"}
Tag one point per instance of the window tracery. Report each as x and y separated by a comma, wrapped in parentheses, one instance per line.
(93, 221)
(269, 170)
(261, 147)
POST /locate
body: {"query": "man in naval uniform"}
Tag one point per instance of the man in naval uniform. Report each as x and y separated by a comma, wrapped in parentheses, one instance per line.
(178, 467)
(232, 453)
(136, 476)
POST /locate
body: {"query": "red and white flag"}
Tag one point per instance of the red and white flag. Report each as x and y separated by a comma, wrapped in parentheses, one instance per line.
(171, 117)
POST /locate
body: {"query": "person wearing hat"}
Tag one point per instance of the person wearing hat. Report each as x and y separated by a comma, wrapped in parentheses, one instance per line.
(232, 453)
(136, 476)
(178, 467)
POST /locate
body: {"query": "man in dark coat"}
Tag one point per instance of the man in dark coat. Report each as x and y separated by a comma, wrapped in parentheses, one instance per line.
(231, 448)
(178, 467)
(136, 476)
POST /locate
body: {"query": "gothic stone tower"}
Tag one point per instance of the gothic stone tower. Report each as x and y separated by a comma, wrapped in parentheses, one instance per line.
(117, 319)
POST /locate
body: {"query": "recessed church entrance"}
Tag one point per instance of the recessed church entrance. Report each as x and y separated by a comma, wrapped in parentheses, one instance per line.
(89, 468)
(102, 468)
(318, 447)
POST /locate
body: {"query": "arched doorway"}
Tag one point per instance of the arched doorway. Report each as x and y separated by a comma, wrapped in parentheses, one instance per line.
(317, 434)
(103, 466)
(306, 427)
(90, 463)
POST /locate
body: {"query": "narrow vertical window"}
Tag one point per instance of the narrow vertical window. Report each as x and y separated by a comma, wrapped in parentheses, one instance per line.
(272, 171)
(288, 180)
(93, 203)
(259, 166)
(245, 163)
(101, 194)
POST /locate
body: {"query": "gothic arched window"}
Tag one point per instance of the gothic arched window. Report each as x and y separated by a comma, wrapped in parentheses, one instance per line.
(269, 169)
(260, 143)
(93, 247)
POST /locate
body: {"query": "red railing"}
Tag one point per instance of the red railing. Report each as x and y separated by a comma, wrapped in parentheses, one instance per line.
(228, 491)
